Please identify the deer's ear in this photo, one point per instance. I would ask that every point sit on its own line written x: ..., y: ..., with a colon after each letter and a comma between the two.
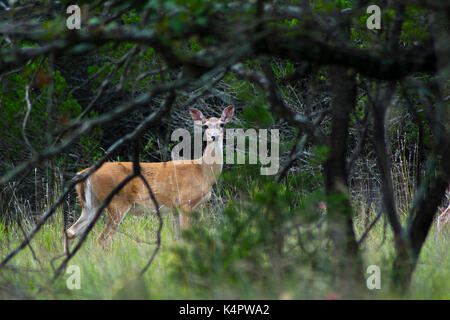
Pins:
x: 227, y: 114
x: 197, y: 115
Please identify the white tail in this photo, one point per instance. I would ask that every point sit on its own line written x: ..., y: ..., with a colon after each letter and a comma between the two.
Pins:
x: 185, y: 184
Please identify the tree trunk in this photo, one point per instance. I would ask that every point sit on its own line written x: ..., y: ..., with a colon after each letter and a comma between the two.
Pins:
x: 339, y: 210
x: 436, y: 183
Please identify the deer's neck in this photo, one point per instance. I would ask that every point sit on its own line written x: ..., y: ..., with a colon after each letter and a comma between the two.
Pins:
x: 212, y: 161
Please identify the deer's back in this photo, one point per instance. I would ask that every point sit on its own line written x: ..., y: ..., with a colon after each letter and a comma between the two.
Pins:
x: 173, y: 183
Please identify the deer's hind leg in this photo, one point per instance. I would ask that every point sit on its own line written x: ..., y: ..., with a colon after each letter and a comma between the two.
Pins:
x: 117, y: 211
x: 89, y: 205
x: 187, y: 208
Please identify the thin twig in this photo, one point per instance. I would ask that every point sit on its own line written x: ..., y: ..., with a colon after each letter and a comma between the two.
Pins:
x: 29, y: 106
x: 29, y: 244
x: 136, y: 239
x: 158, y: 234
x: 366, y: 232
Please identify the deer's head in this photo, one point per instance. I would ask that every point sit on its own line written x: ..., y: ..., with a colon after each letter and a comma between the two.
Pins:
x: 213, y: 126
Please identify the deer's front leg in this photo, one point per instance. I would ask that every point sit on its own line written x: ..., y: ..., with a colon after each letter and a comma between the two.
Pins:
x: 116, y: 213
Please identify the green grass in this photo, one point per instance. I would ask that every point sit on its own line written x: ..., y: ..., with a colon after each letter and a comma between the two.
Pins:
x: 207, y: 264
x: 103, y: 273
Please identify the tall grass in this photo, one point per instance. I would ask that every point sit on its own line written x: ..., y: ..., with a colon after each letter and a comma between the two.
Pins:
x: 230, y: 253
x: 113, y: 273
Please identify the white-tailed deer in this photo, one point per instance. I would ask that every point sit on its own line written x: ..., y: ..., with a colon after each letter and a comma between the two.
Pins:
x: 185, y: 184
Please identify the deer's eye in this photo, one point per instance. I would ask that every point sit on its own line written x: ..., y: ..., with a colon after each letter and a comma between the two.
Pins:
x: 205, y: 126
x: 222, y: 124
